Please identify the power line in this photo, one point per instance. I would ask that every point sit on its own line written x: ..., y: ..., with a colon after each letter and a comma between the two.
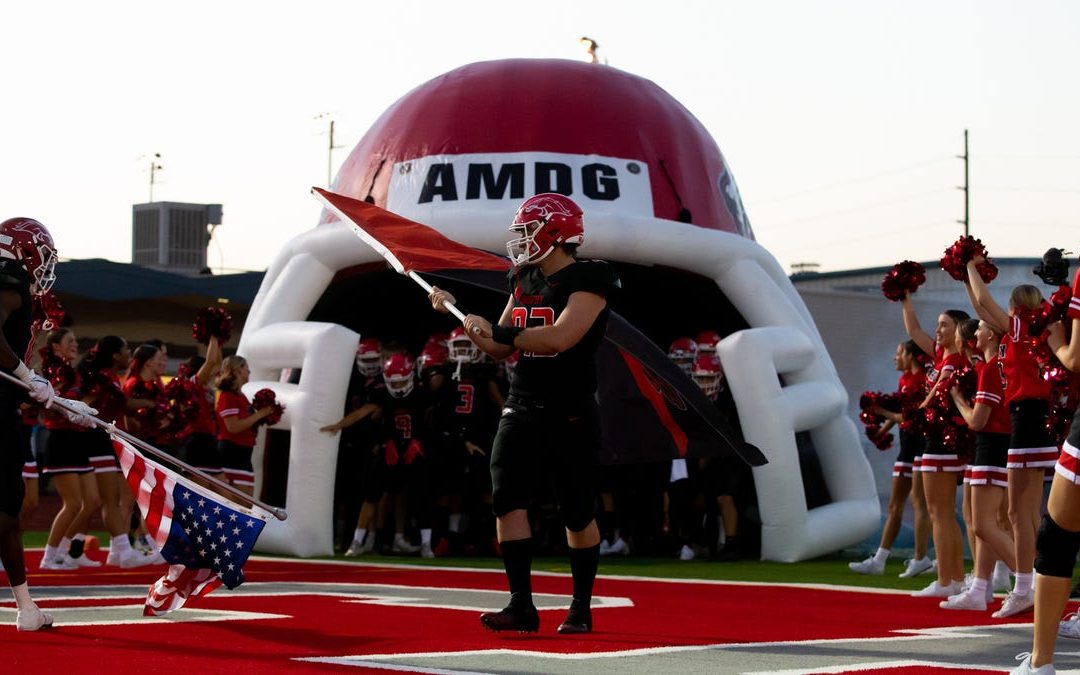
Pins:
x: 865, y: 207
x: 1026, y: 189
x: 851, y: 181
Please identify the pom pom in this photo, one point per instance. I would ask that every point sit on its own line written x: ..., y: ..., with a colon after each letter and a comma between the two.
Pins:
x: 966, y: 380
x: 881, y: 441
x: 903, y: 279
x: 58, y: 372
x: 963, y: 250
x: 264, y: 398
x: 211, y: 322
x: 48, y: 312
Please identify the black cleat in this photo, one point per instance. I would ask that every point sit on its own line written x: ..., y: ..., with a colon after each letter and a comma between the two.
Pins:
x: 578, y: 620
x: 522, y: 619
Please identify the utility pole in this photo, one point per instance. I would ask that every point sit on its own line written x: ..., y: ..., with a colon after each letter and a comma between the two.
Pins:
x: 154, y: 168
x: 330, y: 147
x: 330, y: 156
x: 966, y: 188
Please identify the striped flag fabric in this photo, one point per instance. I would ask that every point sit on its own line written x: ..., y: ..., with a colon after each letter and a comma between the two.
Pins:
x: 205, y: 538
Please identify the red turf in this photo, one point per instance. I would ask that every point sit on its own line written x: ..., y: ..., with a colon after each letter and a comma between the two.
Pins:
x: 664, y: 614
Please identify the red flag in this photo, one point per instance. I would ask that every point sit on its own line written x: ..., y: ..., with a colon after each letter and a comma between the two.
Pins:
x: 407, y: 245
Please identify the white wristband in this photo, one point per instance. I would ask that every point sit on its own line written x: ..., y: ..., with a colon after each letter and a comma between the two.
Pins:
x: 23, y: 373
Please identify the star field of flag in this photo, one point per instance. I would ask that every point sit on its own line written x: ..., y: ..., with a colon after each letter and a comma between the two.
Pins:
x: 206, y: 533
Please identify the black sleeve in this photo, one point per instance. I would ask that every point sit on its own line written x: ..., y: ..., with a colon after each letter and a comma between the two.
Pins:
x: 13, y: 277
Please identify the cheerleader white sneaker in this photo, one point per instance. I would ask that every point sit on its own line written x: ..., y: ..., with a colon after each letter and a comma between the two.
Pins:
x: 1070, y: 627
x: 936, y: 590
x: 967, y: 600
x: 1025, y: 667
x: 868, y: 566
x: 33, y: 619
x: 916, y: 566
x: 1014, y: 604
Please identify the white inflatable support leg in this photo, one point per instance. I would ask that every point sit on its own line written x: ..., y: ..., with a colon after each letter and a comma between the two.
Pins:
x: 754, y: 361
x: 324, y: 352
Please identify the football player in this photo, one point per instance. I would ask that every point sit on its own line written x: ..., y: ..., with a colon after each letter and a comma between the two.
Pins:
x: 556, y: 316
x: 27, y: 262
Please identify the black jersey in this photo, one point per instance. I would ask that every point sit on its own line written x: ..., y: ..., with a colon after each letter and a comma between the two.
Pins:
x: 17, y: 327
x: 463, y: 407
x: 568, y: 377
x: 402, y: 418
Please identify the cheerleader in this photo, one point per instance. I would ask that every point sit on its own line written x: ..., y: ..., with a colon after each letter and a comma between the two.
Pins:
x: 199, y: 446
x: 940, y: 467
x: 236, y: 434
x: 912, y: 386
x: 67, y: 463
x: 1059, y: 533
x: 986, y: 415
x: 1031, y: 448
x: 100, y: 373
x: 145, y: 392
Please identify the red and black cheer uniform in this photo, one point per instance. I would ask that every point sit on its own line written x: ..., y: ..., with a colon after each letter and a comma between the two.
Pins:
x: 992, y: 441
x: 1027, y: 395
x: 937, y: 457
x: 549, y: 429
x: 18, y: 333
x: 911, y: 386
x: 235, y: 449
x: 146, y: 423
x: 200, y: 437
x: 107, y: 395
x: 66, y: 449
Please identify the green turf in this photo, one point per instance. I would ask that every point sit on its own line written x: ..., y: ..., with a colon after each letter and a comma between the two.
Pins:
x: 828, y: 570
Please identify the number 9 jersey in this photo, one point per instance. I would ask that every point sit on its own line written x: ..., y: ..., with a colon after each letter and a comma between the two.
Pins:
x: 568, y: 377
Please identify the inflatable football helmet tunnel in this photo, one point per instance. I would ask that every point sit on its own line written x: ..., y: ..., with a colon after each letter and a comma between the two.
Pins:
x: 460, y: 153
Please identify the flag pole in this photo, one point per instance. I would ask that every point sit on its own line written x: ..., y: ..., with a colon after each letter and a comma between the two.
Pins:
x: 385, y: 252
x: 241, y: 496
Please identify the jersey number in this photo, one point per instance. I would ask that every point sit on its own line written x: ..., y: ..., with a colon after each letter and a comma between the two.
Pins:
x: 540, y: 316
x: 404, y: 425
x: 466, y: 391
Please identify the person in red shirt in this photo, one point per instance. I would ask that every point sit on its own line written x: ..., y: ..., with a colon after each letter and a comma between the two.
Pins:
x: 199, y: 445
x: 100, y: 372
x: 940, y: 467
x: 1032, y: 450
x: 988, y: 416
x: 1059, y: 532
x: 236, y: 433
x: 67, y: 464
x: 912, y: 386
x: 146, y: 393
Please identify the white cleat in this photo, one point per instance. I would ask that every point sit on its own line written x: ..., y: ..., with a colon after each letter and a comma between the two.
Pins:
x: 914, y: 567
x: 1070, y: 626
x: 355, y: 549
x: 686, y: 553
x: 619, y: 547
x: 1001, y: 583
x: 966, y: 600
x: 82, y: 561
x: 605, y: 548
x: 128, y: 559
x: 1025, y: 667
x: 402, y: 545
x: 61, y: 563
x: 1015, y: 604
x: 936, y: 590
x: 868, y: 566
x: 34, y: 619
x: 426, y: 552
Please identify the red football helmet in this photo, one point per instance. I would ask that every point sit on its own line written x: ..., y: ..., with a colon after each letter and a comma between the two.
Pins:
x: 683, y: 351
x: 398, y: 374
x: 542, y: 223
x: 707, y: 374
x: 707, y: 340
x: 462, y: 349
x: 369, y: 357
x: 27, y: 240
x: 433, y: 354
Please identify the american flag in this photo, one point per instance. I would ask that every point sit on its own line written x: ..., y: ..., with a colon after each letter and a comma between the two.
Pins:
x: 205, y: 540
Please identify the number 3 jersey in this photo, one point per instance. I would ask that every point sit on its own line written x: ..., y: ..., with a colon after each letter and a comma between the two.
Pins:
x: 568, y: 377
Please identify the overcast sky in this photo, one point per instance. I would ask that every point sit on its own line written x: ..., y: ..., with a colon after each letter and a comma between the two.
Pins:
x: 841, y: 120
